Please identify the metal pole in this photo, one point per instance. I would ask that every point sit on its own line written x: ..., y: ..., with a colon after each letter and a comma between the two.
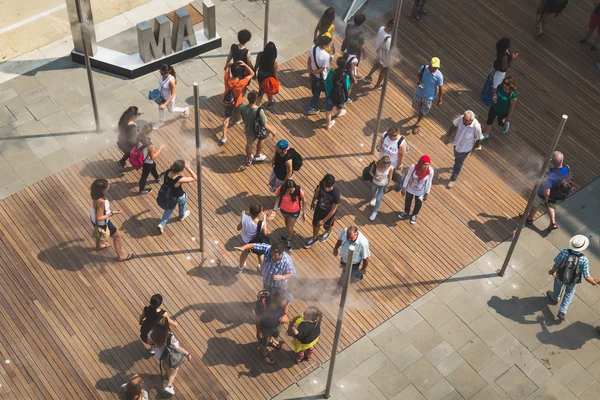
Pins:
x: 338, y: 326
x: 266, y: 29
x: 386, y: 76
x: 561, y: 126
x: 198, y: 163
x: 88, y: 66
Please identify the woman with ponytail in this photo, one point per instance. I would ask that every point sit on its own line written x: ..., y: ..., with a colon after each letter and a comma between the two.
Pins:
x: 167, y: 82
x: 305, y: 329
x: 417, y: 185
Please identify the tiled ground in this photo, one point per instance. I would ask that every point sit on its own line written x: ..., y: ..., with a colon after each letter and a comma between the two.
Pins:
x: 479, y: 336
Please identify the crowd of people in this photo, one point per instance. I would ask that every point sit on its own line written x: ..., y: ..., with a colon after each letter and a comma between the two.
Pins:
x: 388, y: 172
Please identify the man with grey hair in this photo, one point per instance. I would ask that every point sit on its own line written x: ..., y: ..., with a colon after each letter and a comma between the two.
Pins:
x: 556, y: 185
x: 352, y: 237
x: 466, y: 136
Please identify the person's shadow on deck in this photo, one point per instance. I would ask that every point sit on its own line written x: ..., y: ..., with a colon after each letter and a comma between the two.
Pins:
x: 123, y: 359
x: 246, y: 199
x: 224, y: 351
x: 72, y: 256
x: 232, y: 314
x: 369, y: 128
x: 223, y: 164
x: 139, y: 226
x: 481, y: 229
x: 217, y: 274
x: 107, y: 169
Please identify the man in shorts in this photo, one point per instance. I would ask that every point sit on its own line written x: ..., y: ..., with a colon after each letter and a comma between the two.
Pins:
x: 235, y: 80
x: 430, y: 81
x: 418, y: 11
x: 383, y: 56
x: 282, y: 165
x: 325, y: 203
x: 249, y: 112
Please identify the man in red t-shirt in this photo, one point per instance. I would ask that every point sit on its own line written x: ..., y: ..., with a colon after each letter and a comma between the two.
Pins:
x: 237, y: 76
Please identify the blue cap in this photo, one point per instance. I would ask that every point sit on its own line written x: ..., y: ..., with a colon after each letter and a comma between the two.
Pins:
x: 283, y: 144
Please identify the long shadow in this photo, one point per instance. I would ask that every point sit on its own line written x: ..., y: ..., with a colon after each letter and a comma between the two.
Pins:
x: 123, y: 360
x: 572, y: 337
x: 238, y: 354
x: 139, y: 228
x: 232, y: 314
x: 248, y: 199
x: 218, y: 274
x: 224, y: 164
x: 120, y: 190
x: 107, y: 169
x: 25, y: 137
x: 486, y: 230
x: 425, y: 283
x: 370, y: 126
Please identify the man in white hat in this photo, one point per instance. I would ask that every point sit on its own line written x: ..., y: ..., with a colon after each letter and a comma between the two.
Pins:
x: 570, y: 266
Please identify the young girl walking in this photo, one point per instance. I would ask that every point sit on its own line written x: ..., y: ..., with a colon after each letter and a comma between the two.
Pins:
x: 128, y: 133
x: 167, y: 83
x: 381, y: 172
x: 305, y: 329
x: 145, y: 144
x: 290, y: 201
x: 175, y: 180
x: 266, y: 70
x: 150, y: 315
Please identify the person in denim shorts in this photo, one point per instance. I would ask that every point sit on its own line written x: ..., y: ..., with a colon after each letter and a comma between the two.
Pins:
x: 418, y: 11
x: 291, y: 202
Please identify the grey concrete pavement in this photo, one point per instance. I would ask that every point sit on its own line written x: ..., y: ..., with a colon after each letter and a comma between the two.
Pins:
x: 482, y: 337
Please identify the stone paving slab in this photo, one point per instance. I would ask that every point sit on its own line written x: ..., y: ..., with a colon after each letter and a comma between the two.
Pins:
x: 449, y: 345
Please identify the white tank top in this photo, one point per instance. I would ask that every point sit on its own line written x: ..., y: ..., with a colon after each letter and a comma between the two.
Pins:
x: 106, y: 211
x: 165, y: 86
x: 389, y: 148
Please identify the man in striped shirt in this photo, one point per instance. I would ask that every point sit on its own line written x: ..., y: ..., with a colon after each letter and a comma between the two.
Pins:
x: 277, y: 267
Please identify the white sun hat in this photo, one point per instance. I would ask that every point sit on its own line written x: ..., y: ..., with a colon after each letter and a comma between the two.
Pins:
x: 579, y: 242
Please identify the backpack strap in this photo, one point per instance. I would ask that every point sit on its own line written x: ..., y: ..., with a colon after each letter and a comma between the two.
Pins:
x: 400, y: 141
x: 315, y: 56
x: 421, y: 74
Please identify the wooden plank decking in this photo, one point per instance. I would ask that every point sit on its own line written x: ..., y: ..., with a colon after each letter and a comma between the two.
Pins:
x: 68, y: 316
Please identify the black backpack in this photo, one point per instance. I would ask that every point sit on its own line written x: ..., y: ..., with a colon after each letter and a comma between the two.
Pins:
x: 296, y: 160
x: 569, y: 271
x: 339, y: 93
x: 263, y: 299
x: 366, y: 174
x: 260, y: 237
x: 563, y: 187
x: 165, y: 199
x: 260, y: 132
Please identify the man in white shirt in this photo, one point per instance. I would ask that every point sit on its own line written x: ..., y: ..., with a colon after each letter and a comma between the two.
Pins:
x: 318, y: 67
x: 383, y: 56
x: 352, y: 237
x: 466, y: 134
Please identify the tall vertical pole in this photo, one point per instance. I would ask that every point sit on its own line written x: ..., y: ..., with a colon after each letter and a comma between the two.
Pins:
x: 88, y: 66
x: 198, y: 163
x: 338, y: 326
x: 266, y: 29
x: 387, y: 75
x: 538, y: 182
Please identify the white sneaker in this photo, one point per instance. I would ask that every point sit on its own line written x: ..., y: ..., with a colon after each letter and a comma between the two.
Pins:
x: 331, y: 124
x: 373, y: 202
x: 478, y: 147
x: 223, y: 139
x: 239, y: 121
x: 342, y: 113
x: 373, y: 216
x: 161, y: 228
x: 260, y: 157
x: 450, y: 185
x: 185, y: 215
x: 170, y: 390
x: 158, y: 126
x: 186, y: 113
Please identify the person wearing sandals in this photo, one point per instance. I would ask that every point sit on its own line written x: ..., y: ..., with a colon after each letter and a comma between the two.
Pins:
x: 290, y: 200
x: 418, y: 11
x: 128, y: 133
x: 552, y: 179
x: 430, y: 81
x: 417, y: 185
x: 266, y: 67
x: 174, y: 178
x: 305, y: 329
x: 162, y: 336
x: 100, y: 216
x: 150, y: 314
x: 253, y: 229
x: 269, y: 324
x: 150, y: 153
x: 381, y: 172
x: 503, y: 106
x: 132, y: 390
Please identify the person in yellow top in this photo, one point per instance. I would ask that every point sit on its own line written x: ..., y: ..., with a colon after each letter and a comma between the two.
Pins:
x: 325, y: 27
x: 305, y: 329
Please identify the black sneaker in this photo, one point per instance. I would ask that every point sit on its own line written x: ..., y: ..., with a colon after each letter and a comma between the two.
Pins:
x: 284, y: 237
x: 593, y: 49
x: 583, y: 41
x: 413, y: 220
x: 288, y: 244
x: 145, y: 191
x: 424, y: 12
x: 415, y: 19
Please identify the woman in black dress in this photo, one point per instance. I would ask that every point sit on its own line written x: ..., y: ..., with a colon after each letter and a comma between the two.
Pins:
x: 128, y: 132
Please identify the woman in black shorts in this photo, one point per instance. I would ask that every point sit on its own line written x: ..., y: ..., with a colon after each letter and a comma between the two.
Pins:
x: 100, y: 216
x: 325, y: 204
x: 266, y: 67
x: 150, y: 315
x: 291, y: 201
x: 503, y: 106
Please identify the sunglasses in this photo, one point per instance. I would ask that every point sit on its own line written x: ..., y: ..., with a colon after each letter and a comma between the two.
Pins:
x: 387, y: 162
x: 505, y: 83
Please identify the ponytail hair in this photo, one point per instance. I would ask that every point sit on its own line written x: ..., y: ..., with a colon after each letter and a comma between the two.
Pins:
x: 166, y: 68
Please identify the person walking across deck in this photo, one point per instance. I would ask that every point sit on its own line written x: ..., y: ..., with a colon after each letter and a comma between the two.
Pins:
x: 305, y: 329
x: 317, y: 64
x: 324, y: 205
x: 174, y: 179
x: 430, y: 81
x: 239, y: 51
x: 381, y: 172
x: 150, y: 314
x: 351, y: 56
x: 282, y: 165
x: 167, y: 82
x: 570, y: 265
x: 545, y: 9
x: 417, y: 185
x: 291, y: 202
x: 256, y: 127
x: 128, y: 133
x: 418, y: 11
x: 266, y: 72
x: 383, y: 56
x: 337, y: 86
x: 395, y: 146
x: 503, y: 106
x: 133, y: 389
x: 354, y: 33
x: 466, y: 136
x: 149, y: 155
x: 326, y: 28
x: 100, y: 217
x: 270, y: 318
x: 253, y: 229
x: 352, y: 237
x: 237, y: 77
x: 277, y: 266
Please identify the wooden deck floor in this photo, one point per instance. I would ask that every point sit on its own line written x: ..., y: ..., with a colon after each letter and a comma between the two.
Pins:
x: 68, y: 316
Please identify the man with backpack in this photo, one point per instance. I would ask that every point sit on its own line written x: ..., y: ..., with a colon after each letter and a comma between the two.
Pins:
x: 384, y: 54
x: 256, y: 127
x: 430, y: 81
x: 545, y: 9
x: 555, y: 187
x: 337, y: 86
x: 570, y: 265
x: 237, y: 76
x: 318, y: 66
x: 286, y: 161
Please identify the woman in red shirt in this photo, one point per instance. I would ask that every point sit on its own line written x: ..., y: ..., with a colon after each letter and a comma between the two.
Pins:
x: 290, y: 200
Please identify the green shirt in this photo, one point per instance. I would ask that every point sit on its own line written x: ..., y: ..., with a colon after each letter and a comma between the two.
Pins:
x: 248, y: 113
x: 502, y: 105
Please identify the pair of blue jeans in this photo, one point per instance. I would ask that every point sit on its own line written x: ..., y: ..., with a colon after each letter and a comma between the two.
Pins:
x: 377, y: 195
x: 459, y: 160
x: 315, y: 87
x: 181, y: 203
x: 355, y: 270
x: 567, y: 298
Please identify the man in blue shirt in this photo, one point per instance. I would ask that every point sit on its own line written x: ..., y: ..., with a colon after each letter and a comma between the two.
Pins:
x: 430, y: 81
x: 352, y: 237
x: 577, y: 244
x: 551, y: 178
x: 277, y: 267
